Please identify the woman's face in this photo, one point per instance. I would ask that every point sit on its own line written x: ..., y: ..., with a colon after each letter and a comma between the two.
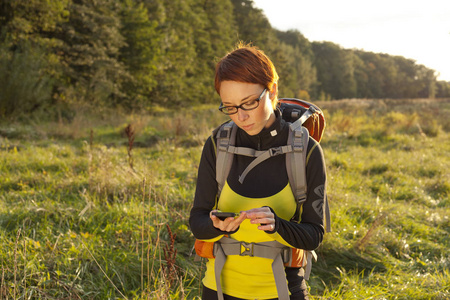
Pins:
x: 235, y: 93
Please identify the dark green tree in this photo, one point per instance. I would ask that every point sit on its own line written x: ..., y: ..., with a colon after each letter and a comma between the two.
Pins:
x: 406, y: 77
x: 177, y: 49
x: 426, y: 81
x: 141, y: 53
x: 298, y: 73
x: 393, y: 77
x: 443, y: 89
x: 24, y: 85
x: 374, y: 75
x: 361, y: 77
x: 32, y: 21
x: 90, y: 49
x: 335, y: 71
x: 253, y: 25
x: 389, y: 72
x: 215, y: 35
x: 29, y: 68
x: 297, y: 40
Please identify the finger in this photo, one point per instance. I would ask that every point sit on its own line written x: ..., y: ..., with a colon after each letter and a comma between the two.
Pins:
x: 242, y: 217
x: 267, y: 227
x: 262, y: 218
x: 216, y: 221
x: 258, y: 210
x: 264, y: 222
x: 259, y: 213
x: 231, y: 224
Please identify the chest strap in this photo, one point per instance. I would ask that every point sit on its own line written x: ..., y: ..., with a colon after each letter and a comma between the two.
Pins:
x: 272, y: 250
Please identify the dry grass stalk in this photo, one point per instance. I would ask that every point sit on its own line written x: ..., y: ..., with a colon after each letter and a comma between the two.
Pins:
x: 3, y: 289
x: 25, y: 265
x: 150, y: 241
x: 90, y: 158
x: 131, y: 134
x: 362, y: 243
x: 91, y: 139
x: 170, y: 254
x: 15, y: 261
x: 142, y: 234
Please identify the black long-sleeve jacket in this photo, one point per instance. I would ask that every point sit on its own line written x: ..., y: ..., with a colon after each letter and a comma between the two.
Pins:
x: 266, y: 179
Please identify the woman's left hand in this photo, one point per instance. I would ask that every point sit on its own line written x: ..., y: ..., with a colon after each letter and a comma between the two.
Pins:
x: 263, y: 216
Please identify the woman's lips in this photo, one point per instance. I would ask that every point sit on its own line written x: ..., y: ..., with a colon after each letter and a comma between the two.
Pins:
x: 247, y: 127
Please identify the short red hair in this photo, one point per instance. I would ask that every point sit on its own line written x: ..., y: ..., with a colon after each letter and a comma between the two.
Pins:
x: 246, y: 64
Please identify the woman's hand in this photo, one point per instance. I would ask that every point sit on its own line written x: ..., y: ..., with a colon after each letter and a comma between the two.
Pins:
x: 229, y: 224
x: 263, y: 216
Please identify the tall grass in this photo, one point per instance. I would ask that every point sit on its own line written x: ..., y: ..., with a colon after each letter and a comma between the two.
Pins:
x: 88, y: 211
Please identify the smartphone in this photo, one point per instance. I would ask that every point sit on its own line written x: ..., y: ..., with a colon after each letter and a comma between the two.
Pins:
x: 223, y: 215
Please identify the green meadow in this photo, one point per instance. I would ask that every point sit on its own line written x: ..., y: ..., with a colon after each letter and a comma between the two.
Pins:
x: 96, y: 206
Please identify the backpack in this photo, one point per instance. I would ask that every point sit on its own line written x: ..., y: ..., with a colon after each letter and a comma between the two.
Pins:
x: 306, y: 120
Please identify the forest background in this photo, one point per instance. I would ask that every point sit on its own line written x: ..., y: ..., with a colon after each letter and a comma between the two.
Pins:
x: 139, y: 54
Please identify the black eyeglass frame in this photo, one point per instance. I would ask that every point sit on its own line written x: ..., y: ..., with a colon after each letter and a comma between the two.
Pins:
x: 222, y: 107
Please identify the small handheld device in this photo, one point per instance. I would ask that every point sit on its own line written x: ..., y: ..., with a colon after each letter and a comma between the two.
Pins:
x: 223, y: 215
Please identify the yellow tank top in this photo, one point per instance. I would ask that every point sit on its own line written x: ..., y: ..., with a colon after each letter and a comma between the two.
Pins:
x: 243, y: 276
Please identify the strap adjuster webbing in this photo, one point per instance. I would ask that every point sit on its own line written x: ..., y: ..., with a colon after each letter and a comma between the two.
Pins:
x: 263, y: 156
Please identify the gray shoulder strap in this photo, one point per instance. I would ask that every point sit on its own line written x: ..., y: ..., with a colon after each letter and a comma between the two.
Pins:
x: 226, y: 137
x: 296, y: 160
x: 296, y: 167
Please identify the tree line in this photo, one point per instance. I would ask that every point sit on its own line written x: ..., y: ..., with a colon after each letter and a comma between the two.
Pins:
x: 140, y: 53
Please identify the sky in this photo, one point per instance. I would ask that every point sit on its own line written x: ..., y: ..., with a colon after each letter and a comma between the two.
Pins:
x: 414, y: 29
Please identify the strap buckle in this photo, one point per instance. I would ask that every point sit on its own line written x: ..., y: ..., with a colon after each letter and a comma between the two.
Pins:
x: 301, y: 198
x: 275, y: 151
x: 225, y: 132
x: 247, y: 249
x: 298, y: 141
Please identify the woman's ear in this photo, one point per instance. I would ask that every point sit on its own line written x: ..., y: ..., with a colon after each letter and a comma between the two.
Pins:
x: 273, y: 95
x: 274, y: 91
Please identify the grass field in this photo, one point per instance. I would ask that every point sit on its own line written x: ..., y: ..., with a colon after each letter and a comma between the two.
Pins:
x: 90, y: 210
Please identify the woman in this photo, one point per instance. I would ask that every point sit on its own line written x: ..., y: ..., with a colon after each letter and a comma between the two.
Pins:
x: 247, y: 83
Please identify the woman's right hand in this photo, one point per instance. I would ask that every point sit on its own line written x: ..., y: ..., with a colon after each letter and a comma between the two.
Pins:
x: 229, y: 224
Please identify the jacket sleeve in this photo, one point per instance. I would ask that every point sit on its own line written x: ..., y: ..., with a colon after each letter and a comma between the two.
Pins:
x: 205, y: 196
x: 308, y: 233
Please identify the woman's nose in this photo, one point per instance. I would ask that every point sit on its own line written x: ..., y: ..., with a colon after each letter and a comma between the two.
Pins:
x: 242, y: 115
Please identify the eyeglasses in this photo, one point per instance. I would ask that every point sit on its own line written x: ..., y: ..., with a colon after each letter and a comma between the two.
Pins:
x: 249, y: 105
